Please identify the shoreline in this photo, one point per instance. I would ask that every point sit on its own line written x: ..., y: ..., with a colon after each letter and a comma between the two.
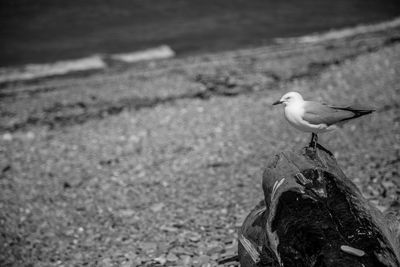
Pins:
x: 95, y: 63
x: 72, y: 99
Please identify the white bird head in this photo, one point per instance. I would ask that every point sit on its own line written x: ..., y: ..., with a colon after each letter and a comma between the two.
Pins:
x: 290, y: 97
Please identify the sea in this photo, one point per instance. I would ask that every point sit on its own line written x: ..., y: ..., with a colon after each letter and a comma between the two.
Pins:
x: 42, y: 31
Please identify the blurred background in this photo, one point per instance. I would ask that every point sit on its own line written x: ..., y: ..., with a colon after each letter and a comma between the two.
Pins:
x: 50, y: 30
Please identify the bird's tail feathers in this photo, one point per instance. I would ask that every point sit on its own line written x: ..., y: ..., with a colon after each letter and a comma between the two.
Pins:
x: 358, y: 112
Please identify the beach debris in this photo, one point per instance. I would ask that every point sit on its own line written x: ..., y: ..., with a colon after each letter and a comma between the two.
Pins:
x: 352, y: 251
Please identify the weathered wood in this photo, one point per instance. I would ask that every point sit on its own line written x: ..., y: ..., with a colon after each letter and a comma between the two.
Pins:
x: 313, y: 215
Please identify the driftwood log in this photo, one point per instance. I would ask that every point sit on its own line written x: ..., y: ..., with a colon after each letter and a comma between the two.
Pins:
x: 313, y: 215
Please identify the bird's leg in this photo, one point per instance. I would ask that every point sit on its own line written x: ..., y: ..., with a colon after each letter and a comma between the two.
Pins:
x: 314, y: 141
x: 324, y: 149
x: 314, y: 144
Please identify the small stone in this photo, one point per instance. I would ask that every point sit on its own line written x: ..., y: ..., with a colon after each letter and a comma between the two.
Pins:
x: 167, y: 228
x: 157, y: 207
x: 202, y: 260
x: 69, y: 232
x: 134, y: 138
x: 195, y: 237
x: 215, y: 256
x: 162, y: 248
x: 215, y: 249
x: 161, y: 260
x: 128, y: 264
x: 7, y: 137
x: 149, y: 247
x: 30, y: 135
x: 186, y: 260
x: 106, y: 262
x: 127, y: 213
x: 181, y: 251
x: 172, y: 257
x: 388, y: 184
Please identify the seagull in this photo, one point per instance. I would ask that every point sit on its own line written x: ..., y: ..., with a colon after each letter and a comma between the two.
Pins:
x: 314, y: 117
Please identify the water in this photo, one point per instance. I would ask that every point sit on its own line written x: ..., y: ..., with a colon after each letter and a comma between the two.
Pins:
x: 39, y: 31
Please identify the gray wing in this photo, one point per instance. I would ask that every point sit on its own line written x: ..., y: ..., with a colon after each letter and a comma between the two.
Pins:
x: 317, y: 113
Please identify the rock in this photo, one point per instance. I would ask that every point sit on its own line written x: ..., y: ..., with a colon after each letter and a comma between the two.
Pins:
x: 172, y: 257
x: 161, y: 260
x: 149, y: 247
x: 106, y: 262
x: 167, y: 228
x: 186, y: 260
x: 214, y: 249
x: 30, y: 135
x: 180, y: 251
x: 202, y: 260
x: 194, y: 237
x: 157, y: 207
x: 7, y: 137
x: 310, y: 214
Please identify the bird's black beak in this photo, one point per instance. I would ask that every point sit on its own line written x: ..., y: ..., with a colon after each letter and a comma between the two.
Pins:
x: 277, y: 102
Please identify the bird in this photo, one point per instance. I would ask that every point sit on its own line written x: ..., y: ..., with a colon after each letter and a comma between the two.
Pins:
x: 315, y: 117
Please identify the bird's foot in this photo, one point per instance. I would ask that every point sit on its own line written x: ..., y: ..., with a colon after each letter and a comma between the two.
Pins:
x: 313, y: 145
x: 324, y: 149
